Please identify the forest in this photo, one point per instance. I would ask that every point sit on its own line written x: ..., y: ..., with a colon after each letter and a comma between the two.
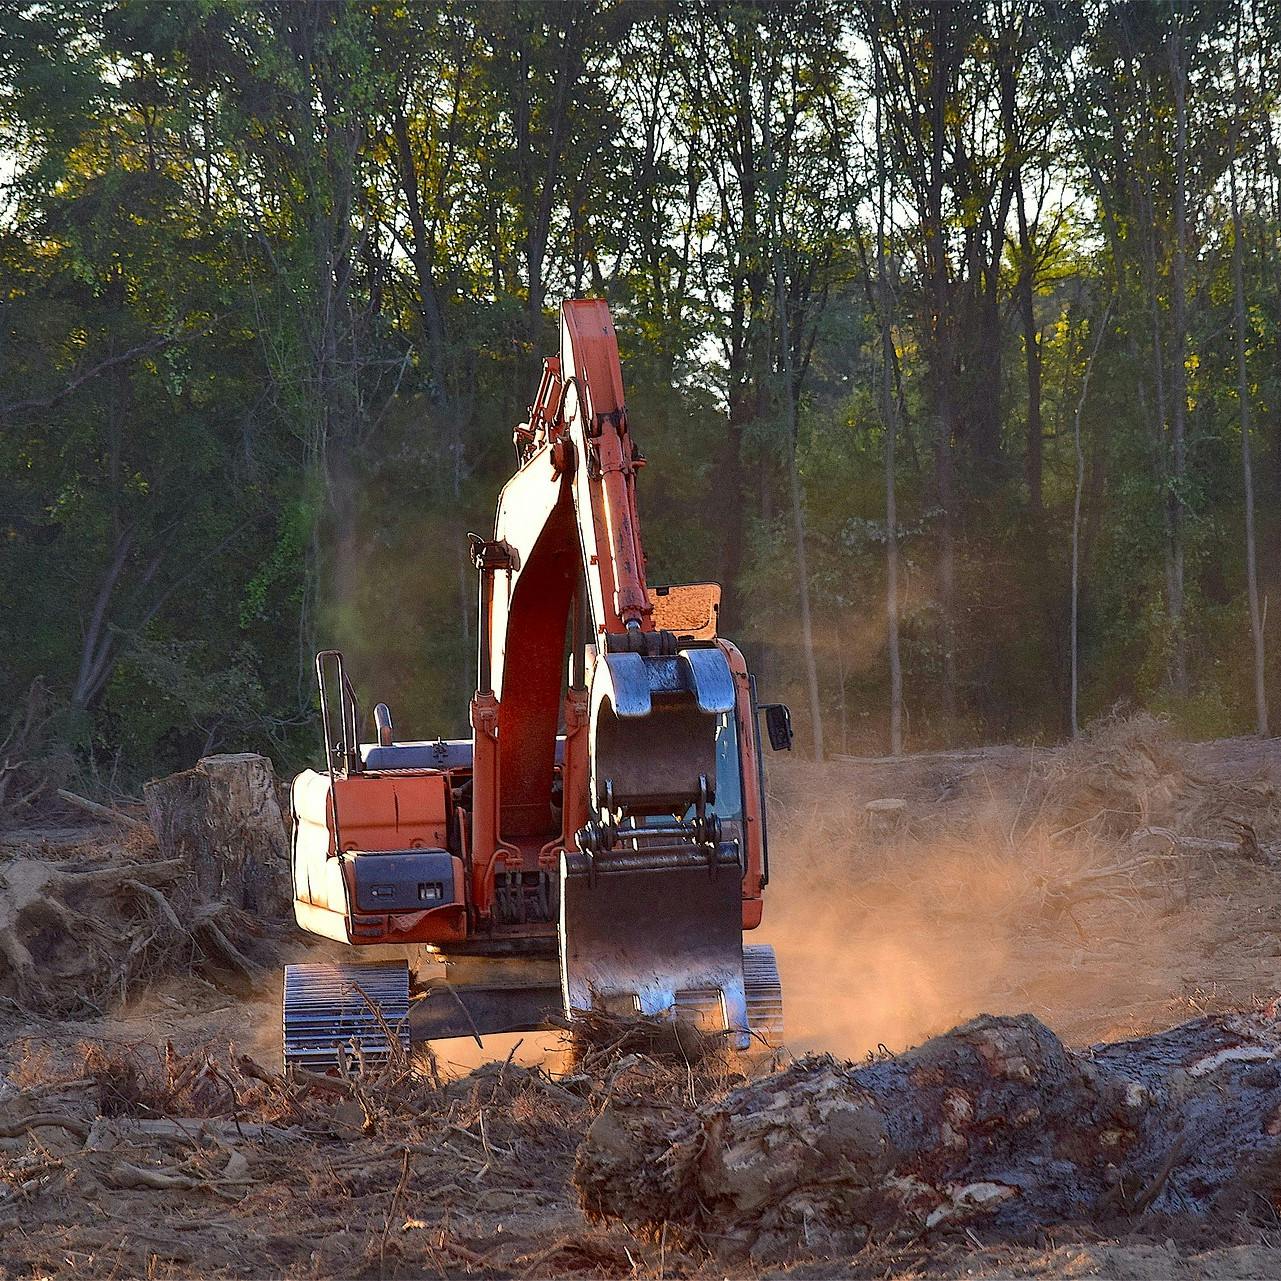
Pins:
x: 951, y: 334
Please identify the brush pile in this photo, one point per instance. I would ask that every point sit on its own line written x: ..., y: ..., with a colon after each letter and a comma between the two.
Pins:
x: 994, y: 1129
x: 211, y: 1163
x: 1128, y: 773
x: 597, y: 1038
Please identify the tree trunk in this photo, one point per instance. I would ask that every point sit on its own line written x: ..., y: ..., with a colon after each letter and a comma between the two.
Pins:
x: 891, y: 551
x: 1032, y: 358
x: 1157, y: 437
x: 1073, y: 715
x: 942, y: 356
x: 889, y: 420
x: 1243, y: 407
x: 1179, y: 374
x: 798, y: 515
x: 729, y: 481
x: 223, y: 819
x: 945, y: 478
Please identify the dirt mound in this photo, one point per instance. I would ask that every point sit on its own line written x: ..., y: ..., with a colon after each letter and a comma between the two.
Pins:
x: 994, y: 1129
x: 1129, y: 772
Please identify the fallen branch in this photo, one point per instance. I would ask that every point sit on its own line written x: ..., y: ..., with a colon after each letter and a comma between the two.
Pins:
x: 317, y: 1081
x: 41, y: 1120
x: 126, y: 1176
x: 188, y: 1130
x: 1246, y: 845
x: 102, y: 811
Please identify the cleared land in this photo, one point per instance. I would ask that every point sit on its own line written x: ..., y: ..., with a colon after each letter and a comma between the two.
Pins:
x: 1111, y: 889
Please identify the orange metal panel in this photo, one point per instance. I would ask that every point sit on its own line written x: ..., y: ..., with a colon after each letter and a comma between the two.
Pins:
x: 393, y: 811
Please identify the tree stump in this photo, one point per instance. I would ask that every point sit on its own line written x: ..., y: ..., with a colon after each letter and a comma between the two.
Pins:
x: 994, y: 1130
x: 885, y: 817
x: 223, y: 819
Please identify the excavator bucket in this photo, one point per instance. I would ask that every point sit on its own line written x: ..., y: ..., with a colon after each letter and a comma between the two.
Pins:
x: 653, y: 932
x: 651, y: 903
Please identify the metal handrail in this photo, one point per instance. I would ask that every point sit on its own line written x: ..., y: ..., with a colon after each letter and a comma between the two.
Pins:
x: 342, y: 751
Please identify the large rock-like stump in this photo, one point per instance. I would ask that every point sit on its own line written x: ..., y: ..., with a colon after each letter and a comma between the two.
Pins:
x: 223, y: 819
x: 995, y: 1129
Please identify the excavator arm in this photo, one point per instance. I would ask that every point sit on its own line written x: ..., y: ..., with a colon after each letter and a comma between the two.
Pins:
x: 650, y: 890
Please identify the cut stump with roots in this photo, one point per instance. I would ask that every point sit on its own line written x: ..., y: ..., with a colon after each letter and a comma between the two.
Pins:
x: 995, y: 1129
x: 223, y: 819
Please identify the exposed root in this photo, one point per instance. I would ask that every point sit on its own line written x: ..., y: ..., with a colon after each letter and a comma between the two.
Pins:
x: 74, y: 938
x: 993, y: 1129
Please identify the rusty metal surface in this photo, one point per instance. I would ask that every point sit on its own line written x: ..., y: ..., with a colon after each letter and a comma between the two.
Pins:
x: 653, y: 728
x: 653, y: 765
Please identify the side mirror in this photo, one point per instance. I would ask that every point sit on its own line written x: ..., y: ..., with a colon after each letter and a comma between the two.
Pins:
x: 778, y: 725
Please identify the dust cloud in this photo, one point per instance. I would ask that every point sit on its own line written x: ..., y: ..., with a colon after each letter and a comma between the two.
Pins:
x: 1020, y: 881
x: 888, y: 950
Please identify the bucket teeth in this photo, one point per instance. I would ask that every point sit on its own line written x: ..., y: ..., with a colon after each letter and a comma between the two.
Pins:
x: 327, y: 1006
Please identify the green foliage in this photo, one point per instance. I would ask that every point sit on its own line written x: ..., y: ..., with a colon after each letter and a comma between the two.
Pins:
x: 276, y: 280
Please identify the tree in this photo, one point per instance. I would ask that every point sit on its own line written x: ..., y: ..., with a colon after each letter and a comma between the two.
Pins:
x: 1243, y: 392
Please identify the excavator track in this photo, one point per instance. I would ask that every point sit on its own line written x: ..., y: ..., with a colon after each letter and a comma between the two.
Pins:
x: 329, y: 1006
x: 764, y: 991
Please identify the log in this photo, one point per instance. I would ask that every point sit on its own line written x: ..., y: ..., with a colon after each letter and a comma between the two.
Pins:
x: 994, y: 1130
x: 109, y: 1132
x: 223, y: 819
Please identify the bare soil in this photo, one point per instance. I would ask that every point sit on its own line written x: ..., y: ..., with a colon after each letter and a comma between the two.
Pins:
x: 1111, y: 889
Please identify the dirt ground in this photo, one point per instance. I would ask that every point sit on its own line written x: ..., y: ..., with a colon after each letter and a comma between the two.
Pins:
x: 1110, y: 888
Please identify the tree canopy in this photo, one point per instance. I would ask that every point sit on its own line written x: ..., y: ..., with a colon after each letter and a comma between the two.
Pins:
x: 951, y: 332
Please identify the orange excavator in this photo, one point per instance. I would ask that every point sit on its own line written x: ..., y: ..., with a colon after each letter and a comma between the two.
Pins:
x: 599, y: 841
